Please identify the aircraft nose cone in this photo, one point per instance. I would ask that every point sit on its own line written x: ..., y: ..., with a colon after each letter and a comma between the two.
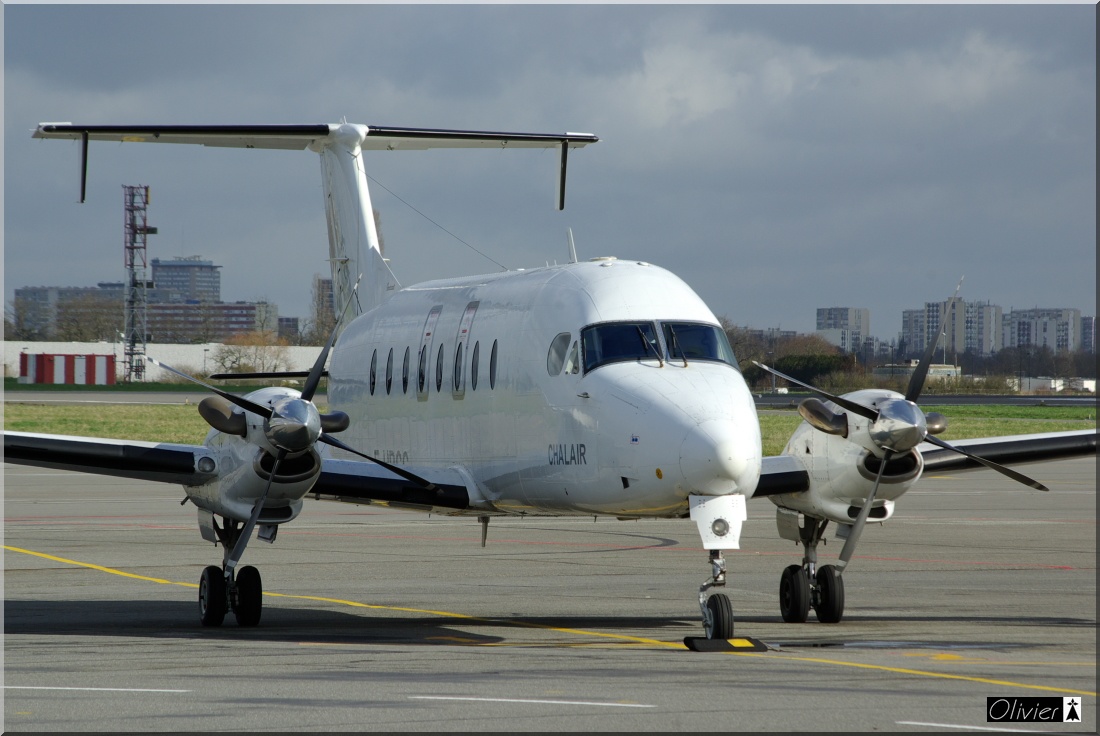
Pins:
x: 717, y: 458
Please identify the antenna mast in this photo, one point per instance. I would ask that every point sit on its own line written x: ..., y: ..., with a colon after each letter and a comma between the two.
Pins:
x: 136, y: 229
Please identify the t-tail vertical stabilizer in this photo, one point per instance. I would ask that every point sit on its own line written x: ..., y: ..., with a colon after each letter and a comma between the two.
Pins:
x: 353, y: 246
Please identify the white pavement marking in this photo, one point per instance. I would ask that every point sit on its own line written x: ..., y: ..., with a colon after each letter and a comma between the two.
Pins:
x: 524, y: 700
x: 967, y: 728
x: 94, y: 689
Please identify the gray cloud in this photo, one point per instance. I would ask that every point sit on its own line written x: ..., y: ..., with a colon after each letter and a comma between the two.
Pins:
x: 777, y: 158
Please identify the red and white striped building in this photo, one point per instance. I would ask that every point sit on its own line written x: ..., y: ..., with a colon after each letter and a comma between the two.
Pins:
x: 76, y: 369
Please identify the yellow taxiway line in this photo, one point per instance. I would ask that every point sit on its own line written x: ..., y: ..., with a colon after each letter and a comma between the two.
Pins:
x: 576, y: 632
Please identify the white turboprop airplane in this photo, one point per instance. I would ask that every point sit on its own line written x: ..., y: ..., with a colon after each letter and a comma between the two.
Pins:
x: 604, y: 387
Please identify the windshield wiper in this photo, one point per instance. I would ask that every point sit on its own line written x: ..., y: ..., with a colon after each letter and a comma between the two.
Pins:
x: 641, y: 334
x: 676, y: 344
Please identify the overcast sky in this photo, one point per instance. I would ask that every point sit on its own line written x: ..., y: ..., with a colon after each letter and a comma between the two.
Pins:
x: 777, y: 158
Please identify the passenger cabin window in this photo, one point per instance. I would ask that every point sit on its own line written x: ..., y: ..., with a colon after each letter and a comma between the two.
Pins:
x: 373, y: 366
x: 458, y: 371
x: 439, y: 371
x: 426, y: 343
x: 555, y: 357
x: 616, y: 342
x: 389, y: 372
x: 422, y: 371
x: 473, y: 365
x: 405, y: 373
x: 695, y: 341
x: 458, y: 377
x: 493, y: 366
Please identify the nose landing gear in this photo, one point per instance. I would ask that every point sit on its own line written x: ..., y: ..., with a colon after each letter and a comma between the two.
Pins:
x: 717, y: 610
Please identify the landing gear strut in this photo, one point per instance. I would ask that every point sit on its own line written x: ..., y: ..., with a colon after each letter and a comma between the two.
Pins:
x: 220, y: 590
x: 801, y: 587
x: 717, y: 611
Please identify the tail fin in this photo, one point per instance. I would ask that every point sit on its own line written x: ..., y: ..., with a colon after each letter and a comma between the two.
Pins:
x: 353, y: 237
x: 353, y: 246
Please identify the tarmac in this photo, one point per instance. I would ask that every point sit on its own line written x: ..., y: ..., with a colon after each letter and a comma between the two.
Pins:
x: 383, y: 620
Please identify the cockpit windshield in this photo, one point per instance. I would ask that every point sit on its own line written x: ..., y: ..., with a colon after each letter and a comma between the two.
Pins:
x: 614, y: 342
x: 690, y: 341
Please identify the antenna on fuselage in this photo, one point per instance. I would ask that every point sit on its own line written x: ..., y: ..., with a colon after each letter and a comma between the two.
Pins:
x: 572, y: 247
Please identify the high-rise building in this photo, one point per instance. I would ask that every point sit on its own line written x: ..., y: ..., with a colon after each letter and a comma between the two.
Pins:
x: 41, y: 307
x: 1088, y: 334
x: 970, y: 326
x: 208, y: 322
x: 983, y: 328
x: 845, y: 327
x: 1056, y: 328
x: 192, y: 278
x: 912, y: 339
x: 953, y: 338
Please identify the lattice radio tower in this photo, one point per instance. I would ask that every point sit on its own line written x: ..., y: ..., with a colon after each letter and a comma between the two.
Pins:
x: 136, y: 230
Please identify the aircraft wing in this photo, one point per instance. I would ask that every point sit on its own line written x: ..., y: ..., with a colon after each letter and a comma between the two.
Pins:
x: 153, y: 461
x: 783, y: 474
x: 352, y: 481
x: 355, y: 481
x: 1020, y: 448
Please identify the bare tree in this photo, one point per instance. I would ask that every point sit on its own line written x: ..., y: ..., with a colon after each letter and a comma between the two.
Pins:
x: 322, y: 319
x: 18, y: 324
x: 252, y: 352
x: 88, y: 317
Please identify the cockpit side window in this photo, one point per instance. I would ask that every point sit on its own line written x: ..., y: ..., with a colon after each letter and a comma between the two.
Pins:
x: 572, y: 363
x: 555, y: 357
x: 615, y: 342
x: 697, y: 341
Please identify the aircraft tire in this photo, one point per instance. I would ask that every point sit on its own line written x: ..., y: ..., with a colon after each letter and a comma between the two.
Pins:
x: 829, y: 601
x: 212, y: 602
x: 721, y: 617
x: 794, y: 595
x: 250, y: 592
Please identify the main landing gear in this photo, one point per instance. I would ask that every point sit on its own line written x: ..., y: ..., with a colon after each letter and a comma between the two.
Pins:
x: 806, y: 586
x: 221, y: 591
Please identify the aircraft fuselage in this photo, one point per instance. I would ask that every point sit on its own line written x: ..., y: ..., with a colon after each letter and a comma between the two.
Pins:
x: 499, y: 376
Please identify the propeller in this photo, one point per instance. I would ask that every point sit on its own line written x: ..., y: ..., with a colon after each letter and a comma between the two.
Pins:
x: 246, y: 532
x: 897, y: 426
x: 861, y: 519
x: 291, y: 424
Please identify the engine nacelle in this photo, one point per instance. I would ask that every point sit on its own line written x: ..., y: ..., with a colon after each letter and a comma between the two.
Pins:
x: 245, y: 457
x: 243, y: 473
x: 842, y: 470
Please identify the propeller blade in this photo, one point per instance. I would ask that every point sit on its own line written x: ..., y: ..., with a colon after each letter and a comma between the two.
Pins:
x: 1018, y: 477
x: 314, y: 378
x: 916, y: 381
x: 822, y: 418
x: 861, y: 519
x: 427, y: 484
x: 863, y: 411
x: 246, y: 532
x: 263, y: 411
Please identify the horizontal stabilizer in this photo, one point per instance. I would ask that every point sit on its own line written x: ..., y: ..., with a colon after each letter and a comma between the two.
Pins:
x: 281, y: 376
x: 345, y: 136
x: 298, y: 137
